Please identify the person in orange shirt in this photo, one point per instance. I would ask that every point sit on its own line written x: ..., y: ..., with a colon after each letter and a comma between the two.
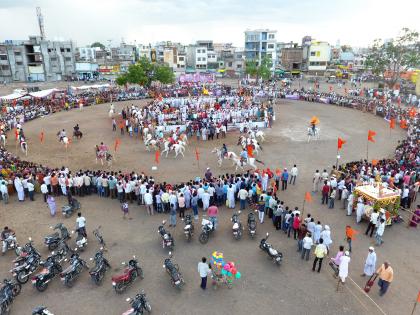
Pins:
x: 350, y: 235
x: 386, y: 275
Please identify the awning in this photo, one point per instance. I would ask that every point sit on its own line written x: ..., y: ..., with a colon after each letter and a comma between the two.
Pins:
x: 88, y: 87
x: 11, y: 97
x: 43, y: 93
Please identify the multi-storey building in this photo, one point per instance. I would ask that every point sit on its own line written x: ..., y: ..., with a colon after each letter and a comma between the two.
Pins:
x: 260, y: 44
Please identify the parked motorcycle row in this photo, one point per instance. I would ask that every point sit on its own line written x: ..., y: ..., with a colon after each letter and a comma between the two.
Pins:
x: 30, y: 266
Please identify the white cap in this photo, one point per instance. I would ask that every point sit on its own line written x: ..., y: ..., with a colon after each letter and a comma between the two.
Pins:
x: 372, y: 248
x: 347, y: 253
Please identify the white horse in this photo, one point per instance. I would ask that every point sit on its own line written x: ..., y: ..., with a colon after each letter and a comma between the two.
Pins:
x: 229, y: 156
x: 103, y: 155
x: 3, y: 140
x: 111, y: 111
x: 150, y: 142
x: 65, y: 140
x: 258, y: 135
x: 183, y: 137
x: 177, y: 148
x: 240, y: 164
x: 313, y: 133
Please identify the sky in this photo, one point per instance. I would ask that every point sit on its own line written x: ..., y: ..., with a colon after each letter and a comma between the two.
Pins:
x: 353, y: 22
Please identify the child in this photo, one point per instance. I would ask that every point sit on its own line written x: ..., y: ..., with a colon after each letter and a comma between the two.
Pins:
x: 350, y: 234
x: 124, y: 209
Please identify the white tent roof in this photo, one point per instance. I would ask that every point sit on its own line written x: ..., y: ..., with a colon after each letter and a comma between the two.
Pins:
x: 43, y: 93
x: 11, y: 97
x: 87, y: 87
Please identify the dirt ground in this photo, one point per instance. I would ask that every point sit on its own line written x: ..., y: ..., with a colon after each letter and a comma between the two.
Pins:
x: 263, y: 288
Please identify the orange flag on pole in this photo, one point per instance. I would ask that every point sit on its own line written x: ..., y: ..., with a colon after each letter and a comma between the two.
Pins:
x: 371, y: 134
x: 197, y: 154
x: 418, y: 297
x: 41, y: 136
x: 16, y: 133
x: 157, y: 155
x: 403, y: 124
x: 308, y: 197
x: 340, y: 143
x: 117, y: 144
x: 392, y: 123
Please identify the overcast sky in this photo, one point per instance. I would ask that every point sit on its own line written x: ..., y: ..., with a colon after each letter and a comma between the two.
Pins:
x: 354, y: 22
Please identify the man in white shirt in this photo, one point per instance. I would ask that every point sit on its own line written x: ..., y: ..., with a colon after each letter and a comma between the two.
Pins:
x: 293, y: 174
x: 203, y: 270
x: 31, y: 189
x: 380, y: 232
x: 307, y: 245
x: 372, y: 223
x: 44, y: 191
x: 315, y: 181
x: 81, y: 224
x: 4, y: 192
x: 148, y: 200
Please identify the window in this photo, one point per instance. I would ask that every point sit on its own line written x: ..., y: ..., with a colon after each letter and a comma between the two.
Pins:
x: 239, y: 56
x: 68, y: 49
x: 271, y: 36
x: 3, y: 57
x: 49, y: 50
x: 4, y: 67
x: 17, y: 53
x: 270, y: 46
x: 204, y: 59
x: 230, y: 64
x: 198, y: 51
x: 313, y: 53
x: 181, y: 58
x: 199, y: 59
x: 68, y: 58
x: 19, y: 63
x: 238, y: 66
x: 62, y: 49
x: 53, y: 59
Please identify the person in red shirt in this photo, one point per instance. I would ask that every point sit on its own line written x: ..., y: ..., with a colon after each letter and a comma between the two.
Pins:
x: 296, y: 225
x: 212, y: 213
x: 325, y: 193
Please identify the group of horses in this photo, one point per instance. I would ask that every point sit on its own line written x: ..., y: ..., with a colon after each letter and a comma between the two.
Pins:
x: 19, y: 139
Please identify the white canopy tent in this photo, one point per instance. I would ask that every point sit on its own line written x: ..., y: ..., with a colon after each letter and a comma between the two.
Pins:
x: 43, y: 93
x: 11, y: 97
x: 88, y: 87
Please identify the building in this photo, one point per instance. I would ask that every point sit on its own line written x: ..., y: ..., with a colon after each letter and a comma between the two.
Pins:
x: 292, y: 59
x: 87, y: 70
x: 316, y: 57
x: 86, y: 53
x: 260, y: 44
x: 36, y: 60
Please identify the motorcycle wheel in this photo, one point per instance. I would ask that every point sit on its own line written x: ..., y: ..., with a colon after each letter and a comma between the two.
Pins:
x: 68, y: 282
x: 22, y: 277
x: 119, y: 288
x: 5, y: 309
x: 52, y: 246
x: 176, y: 267
x: 18, y: 250
x: 41, y: 287
x: 16, y: 289
x: 203, y: 238
x: 98, y: 280
x: 148, y: 307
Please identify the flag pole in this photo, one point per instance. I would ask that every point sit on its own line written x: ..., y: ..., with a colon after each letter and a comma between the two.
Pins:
x: 367, y: 150
x: 336, y: 161
x: 303, y: 208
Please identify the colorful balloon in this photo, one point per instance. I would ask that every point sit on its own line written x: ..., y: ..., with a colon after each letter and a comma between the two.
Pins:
x: 238, y: 275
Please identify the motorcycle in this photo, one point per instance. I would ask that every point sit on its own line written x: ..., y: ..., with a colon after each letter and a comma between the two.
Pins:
x: 139, y: 304
x: 252, y: 225
x: 73, y: 206
x: 167, y: 239
x: 206, y: 229
x: 272, y: 253
x: 30, y: 265
x: 188, y: 228
x: 41, y: 310
x: 99, y: 237
x: 12, y: 244
x: 81, y: 240
x: 130, y: 273
x: 173, y: 270
x: 8, y: 292
x: 97, y: 273
x: 52, y: 268
x: 72, y: 272
x: 25, y: 253
x: 53, y: 240
x: 62, y: 250
x: 237, y: 226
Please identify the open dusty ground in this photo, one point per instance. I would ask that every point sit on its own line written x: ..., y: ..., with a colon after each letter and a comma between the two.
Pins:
x: 263, y: 288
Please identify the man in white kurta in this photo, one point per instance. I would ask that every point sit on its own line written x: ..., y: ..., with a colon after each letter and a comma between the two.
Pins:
x: 370, y: 264
x: 360, y: 210
x: 231, y: 196
x: 350, y: 204
x: 19, y: 189
x: 344, y: 266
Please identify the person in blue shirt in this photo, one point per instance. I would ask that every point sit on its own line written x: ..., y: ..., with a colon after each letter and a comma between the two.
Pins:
x: 243, y: 156
x: 284, y: 178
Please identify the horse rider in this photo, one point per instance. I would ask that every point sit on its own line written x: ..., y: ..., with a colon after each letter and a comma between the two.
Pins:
x: 76, y: 128
x: 313, y: 126
x: 62, y: 134
x: 243, y: 156
x: 224, y: 150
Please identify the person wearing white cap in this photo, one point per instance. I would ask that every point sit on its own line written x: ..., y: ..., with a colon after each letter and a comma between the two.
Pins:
x: 360, y: 210
x: 344, y: 267
x: 326, y: 236
x: 370, y: 264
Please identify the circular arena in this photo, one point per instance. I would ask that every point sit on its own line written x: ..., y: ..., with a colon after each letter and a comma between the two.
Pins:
x: 265, y: 288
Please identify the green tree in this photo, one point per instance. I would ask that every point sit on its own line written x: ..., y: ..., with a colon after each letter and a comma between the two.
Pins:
x: 259, y: 71
x: 394, y: 56
x: 98, y: 44
x: 144, y: 73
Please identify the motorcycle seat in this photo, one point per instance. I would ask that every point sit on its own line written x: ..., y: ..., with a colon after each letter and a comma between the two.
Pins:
x: 272, y: 251
x: 235, y: 226
x: 128, y: 312
x: 122, y: 277
x: 68, y: 269
x: 51, y: 236
x: 44, y: 271
x: 187, y: 227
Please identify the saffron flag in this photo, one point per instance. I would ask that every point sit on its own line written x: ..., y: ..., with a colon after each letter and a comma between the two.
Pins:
x: 197, y: 154
x: 308, y: 197
x: 16, y: 133
x: 41, y: 137
x: 250, y: 150
x: 340, y: 143
x: 314, y: 120
x: 403, y: 124
x: 117, y: 144
x: 371, y: 134
x: 392, y: 123
x: 412, y: 113
x: 418, y: 297
x: 157, y: 155
x: 374, y: 162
